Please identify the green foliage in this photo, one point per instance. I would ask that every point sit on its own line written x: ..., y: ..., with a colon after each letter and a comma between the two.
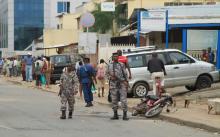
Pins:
x: 104, y: 20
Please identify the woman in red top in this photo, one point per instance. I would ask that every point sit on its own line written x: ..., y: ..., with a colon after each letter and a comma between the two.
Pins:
x: 205, y: 55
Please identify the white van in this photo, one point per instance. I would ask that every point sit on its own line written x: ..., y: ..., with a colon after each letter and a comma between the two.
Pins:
x: 181, y: 68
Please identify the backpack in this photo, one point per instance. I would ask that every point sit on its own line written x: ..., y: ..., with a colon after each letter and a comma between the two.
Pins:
x: 101, y: 73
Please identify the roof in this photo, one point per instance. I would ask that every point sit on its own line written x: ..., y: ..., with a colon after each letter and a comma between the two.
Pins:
x: 150, y: 51
x: 57, y: 46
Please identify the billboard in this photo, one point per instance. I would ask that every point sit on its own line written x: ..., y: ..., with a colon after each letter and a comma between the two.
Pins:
x: 153, y: 21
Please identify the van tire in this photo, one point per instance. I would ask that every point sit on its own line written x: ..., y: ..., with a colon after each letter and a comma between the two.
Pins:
x: 52, y: 81
x: 190, y: 88
x: 140, y: 89
x: 203, y: 82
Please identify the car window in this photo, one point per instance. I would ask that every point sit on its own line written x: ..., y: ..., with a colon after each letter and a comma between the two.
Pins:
x: 179, y: 58
x: 160, y: 56
x: 136, y: 61
x: 60, y: 59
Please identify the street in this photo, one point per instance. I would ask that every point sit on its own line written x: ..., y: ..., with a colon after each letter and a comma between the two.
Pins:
x: 26, y: 112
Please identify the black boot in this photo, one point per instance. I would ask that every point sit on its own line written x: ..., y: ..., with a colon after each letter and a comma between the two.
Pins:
x: 70, y: 114
x: 125, y: 117
x: 63, y: 116
x: 115, y: 117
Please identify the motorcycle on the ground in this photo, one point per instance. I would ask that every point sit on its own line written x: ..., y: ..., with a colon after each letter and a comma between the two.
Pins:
x: 152, y: 105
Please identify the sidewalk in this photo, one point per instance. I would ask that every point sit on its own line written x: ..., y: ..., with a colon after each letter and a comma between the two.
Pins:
x: 195, y: 116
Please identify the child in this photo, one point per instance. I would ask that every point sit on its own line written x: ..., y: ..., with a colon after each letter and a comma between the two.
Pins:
x: 68, y: 89
x: 37, y: 71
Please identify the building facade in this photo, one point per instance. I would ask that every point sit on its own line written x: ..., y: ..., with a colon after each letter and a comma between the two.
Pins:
x: 23, y: 21
x: 148, y: 4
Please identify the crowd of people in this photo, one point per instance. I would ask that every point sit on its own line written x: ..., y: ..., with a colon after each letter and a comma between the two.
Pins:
x: 29, y: 67
x: 10, y: 67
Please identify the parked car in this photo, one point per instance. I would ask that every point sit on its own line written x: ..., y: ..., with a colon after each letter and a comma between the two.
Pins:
x: 59, y: 62
x: 181, y: 68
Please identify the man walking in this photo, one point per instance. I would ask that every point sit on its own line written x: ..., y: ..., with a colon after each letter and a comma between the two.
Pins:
x: 28, y: 67
x: 68, y: 89
x: 118, y: 86
x: 157, y: 69
x: 86, y: 75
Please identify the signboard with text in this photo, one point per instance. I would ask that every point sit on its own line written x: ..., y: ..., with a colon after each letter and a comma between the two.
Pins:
x: 107, y: 6
x: 153, y: 21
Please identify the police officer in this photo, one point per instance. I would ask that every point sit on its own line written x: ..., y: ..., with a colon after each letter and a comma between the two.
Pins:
x: 86, y: 75
x: 118, y: 85
x: 68, y: 88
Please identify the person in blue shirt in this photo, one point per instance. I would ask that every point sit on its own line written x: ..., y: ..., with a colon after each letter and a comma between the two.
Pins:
x: 86, y: 75
x: 28, y: 68
x: 1, y: 65
x: 211, y: 55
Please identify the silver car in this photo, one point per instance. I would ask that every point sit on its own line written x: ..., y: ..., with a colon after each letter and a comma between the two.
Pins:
x: 182, y: 70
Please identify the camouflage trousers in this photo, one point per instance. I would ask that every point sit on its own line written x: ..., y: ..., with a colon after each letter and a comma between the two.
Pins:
x: 119, y: 92
x: 70, y: 100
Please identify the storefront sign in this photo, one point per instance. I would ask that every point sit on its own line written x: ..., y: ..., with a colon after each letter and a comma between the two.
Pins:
x: 153, y: 21
x: 107, y: 6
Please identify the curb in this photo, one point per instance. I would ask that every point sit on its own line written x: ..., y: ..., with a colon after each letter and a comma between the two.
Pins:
x: 177, y: 121
x: 190, y: 124
x: 14, y: 82
x: 20, y: 84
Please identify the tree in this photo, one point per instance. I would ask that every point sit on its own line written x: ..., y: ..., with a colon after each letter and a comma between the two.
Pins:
x: 104, y: 20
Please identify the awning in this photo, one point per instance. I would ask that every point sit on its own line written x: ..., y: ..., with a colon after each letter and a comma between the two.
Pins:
x: 57, y: 46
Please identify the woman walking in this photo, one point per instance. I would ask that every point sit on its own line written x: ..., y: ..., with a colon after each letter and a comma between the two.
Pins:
x: 100, y: 76
x: 48, y: 72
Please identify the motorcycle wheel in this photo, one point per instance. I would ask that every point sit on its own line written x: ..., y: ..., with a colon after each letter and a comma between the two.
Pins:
x: 134, y: 113
x: 155, y: 111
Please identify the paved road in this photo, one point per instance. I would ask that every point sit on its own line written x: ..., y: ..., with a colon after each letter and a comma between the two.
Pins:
x: 32, y: 113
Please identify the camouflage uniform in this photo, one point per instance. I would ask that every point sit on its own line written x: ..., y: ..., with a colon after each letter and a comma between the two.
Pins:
x: 118, y: 85
x: 68, y: 87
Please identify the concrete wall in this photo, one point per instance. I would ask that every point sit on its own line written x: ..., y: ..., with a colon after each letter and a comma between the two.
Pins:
x: 57, y: 37
x: 68, y: 21
x: 132, y: 4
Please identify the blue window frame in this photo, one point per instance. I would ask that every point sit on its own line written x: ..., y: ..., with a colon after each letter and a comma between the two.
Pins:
x: 63, y: 7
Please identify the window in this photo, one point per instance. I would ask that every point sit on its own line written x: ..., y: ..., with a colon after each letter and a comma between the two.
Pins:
x: 60, y: 59
x: 136, y: 61
x: 28, y: 22
x: 63, y: 7
x: 160, y: 56
x: 179, y: 58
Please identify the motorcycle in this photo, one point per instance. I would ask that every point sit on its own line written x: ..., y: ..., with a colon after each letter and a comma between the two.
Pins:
x: 152, y: 105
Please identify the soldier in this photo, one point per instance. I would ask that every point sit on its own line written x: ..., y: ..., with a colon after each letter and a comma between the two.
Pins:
x: 118, y: 85
x: 68, y: 88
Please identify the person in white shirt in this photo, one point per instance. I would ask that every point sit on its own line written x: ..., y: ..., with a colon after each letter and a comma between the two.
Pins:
x: 14, y: 67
